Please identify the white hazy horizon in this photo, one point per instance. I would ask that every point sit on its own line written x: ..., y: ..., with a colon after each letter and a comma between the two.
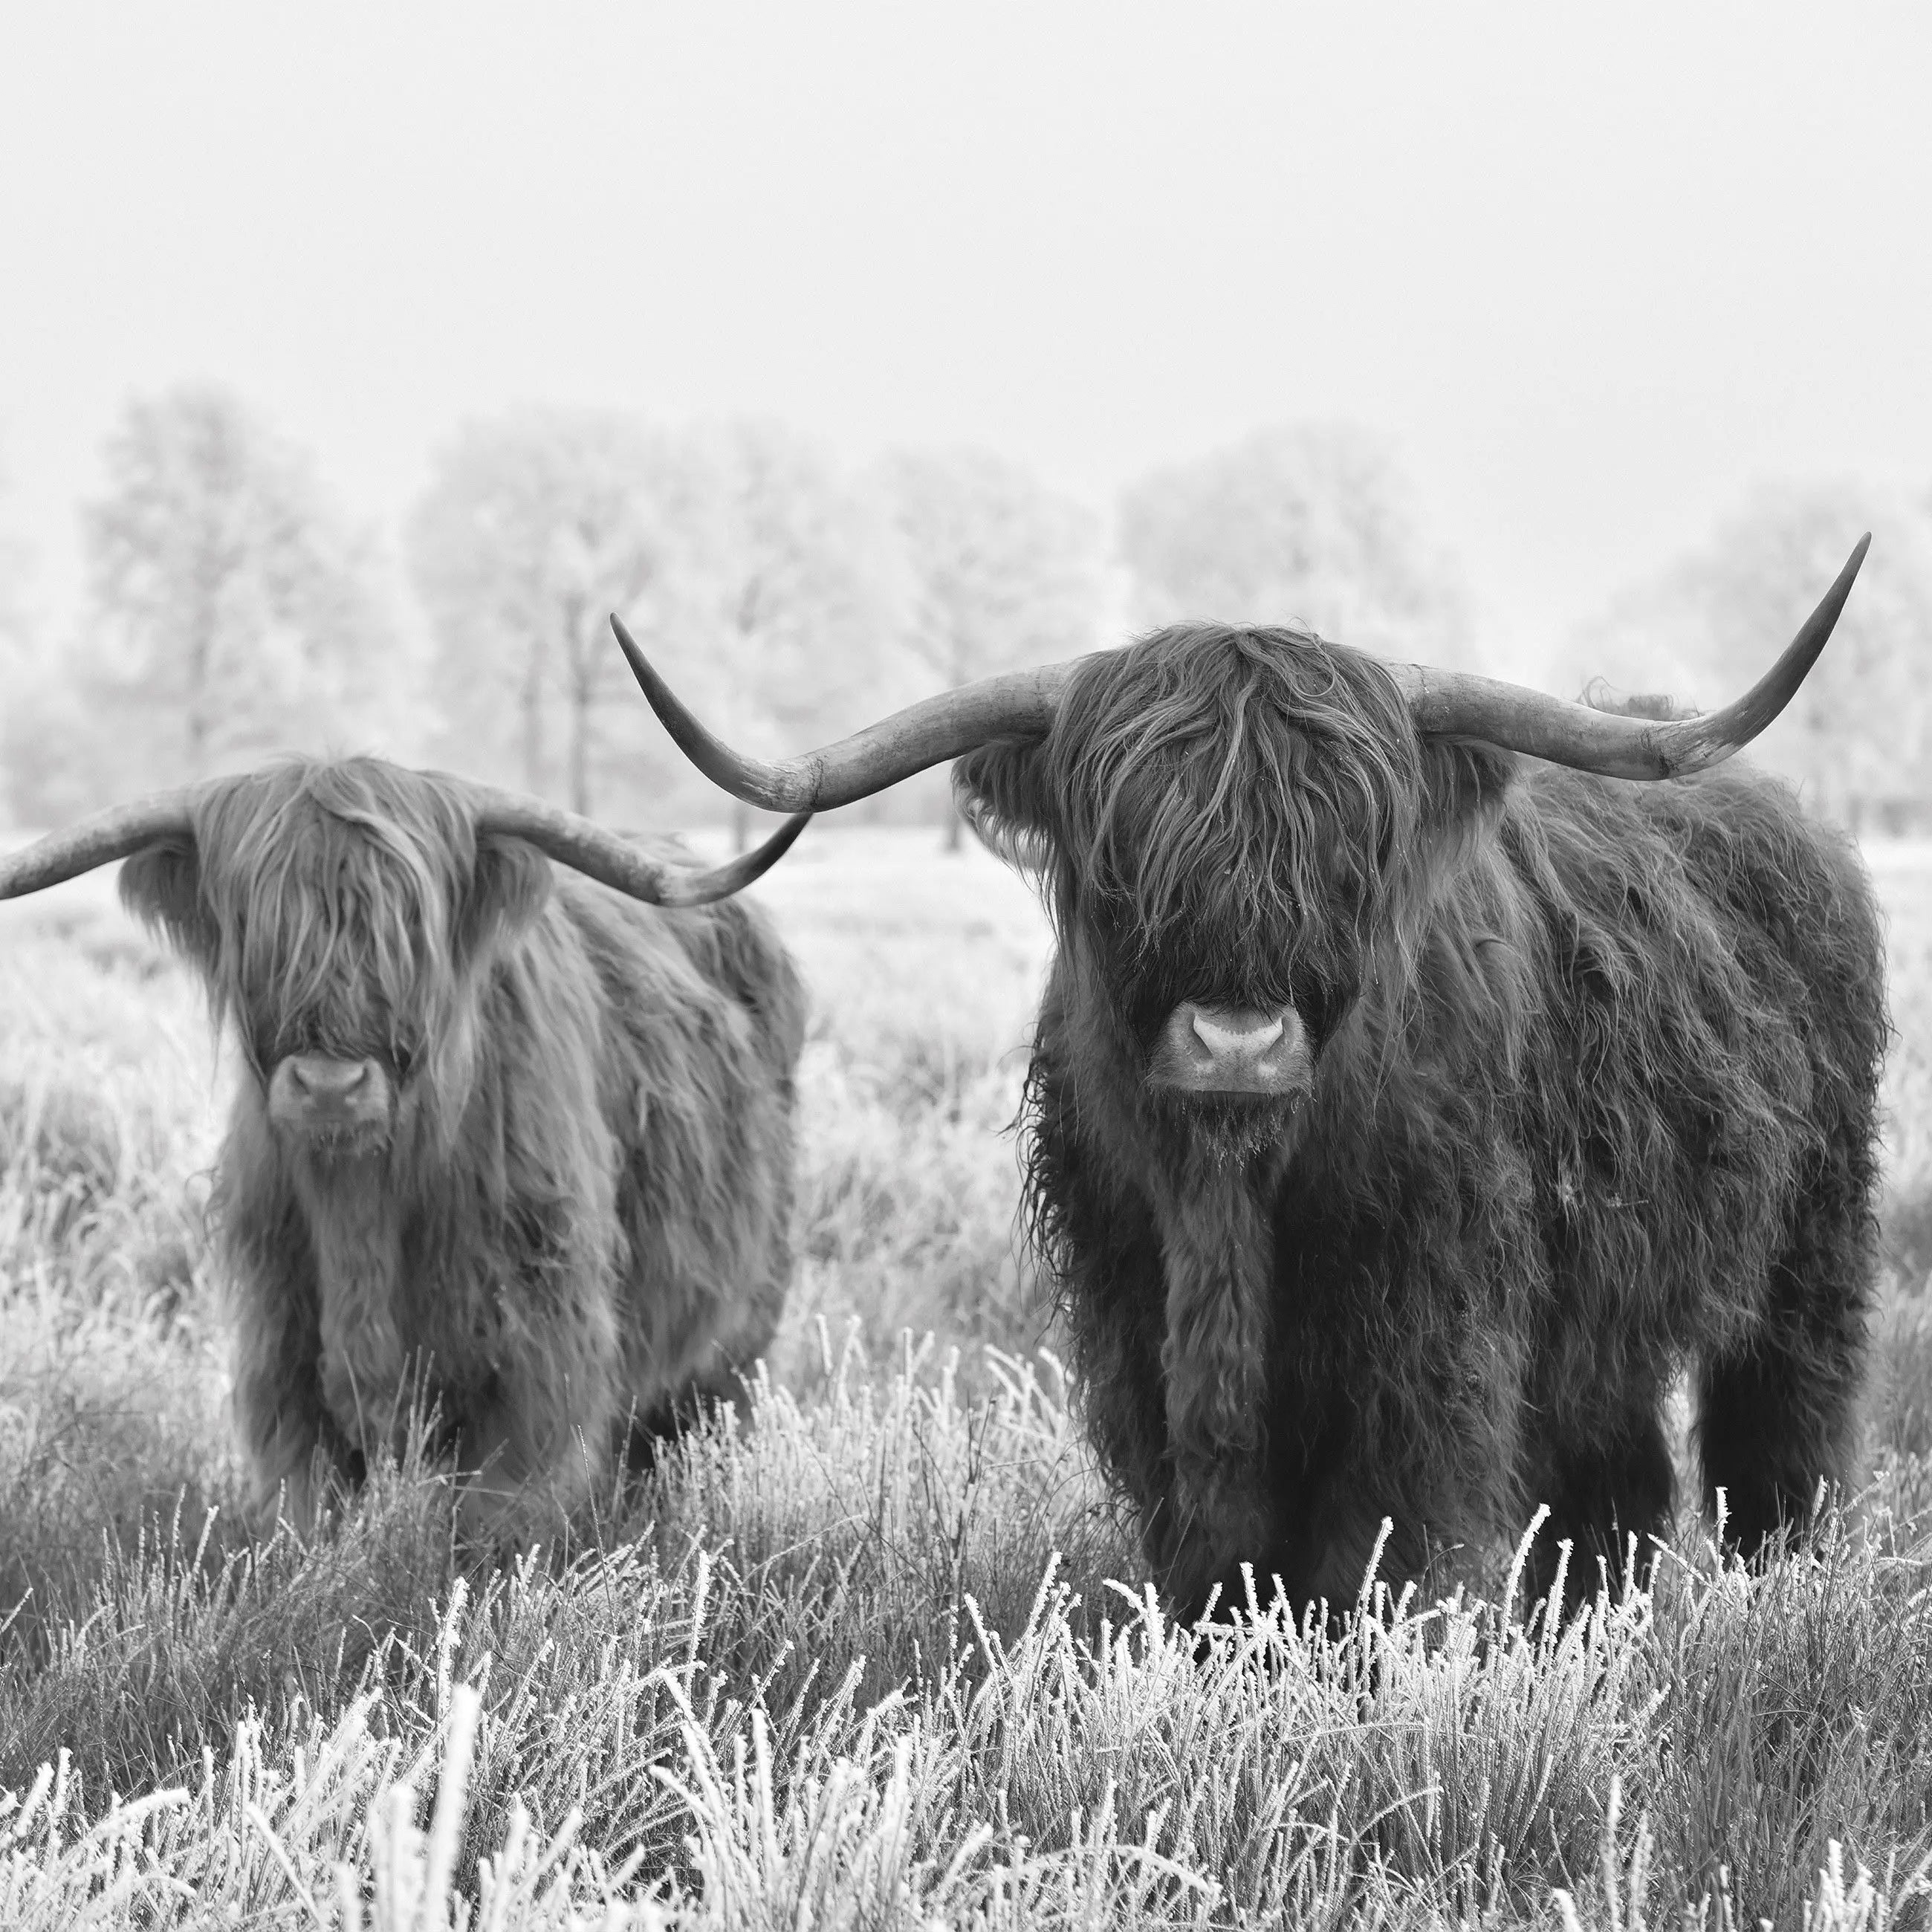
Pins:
x: 1594, y: 279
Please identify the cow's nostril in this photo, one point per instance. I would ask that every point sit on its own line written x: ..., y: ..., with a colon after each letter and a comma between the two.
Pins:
x: 1250, y: 1041
x: 319, y: 1079
x: 1203, y: 1049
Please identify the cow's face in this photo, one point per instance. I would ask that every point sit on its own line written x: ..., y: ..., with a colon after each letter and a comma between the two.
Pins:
x: 338, y: 914
x: 1228, y: 824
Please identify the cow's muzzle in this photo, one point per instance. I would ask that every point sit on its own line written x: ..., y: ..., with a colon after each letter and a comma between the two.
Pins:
x: 1232, y: 1050
x: 331, y: 1100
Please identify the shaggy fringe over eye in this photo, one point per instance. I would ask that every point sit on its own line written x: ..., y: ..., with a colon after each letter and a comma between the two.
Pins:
x: 1246, y: 799
x: 334, y: 888
x: 1027, y: 848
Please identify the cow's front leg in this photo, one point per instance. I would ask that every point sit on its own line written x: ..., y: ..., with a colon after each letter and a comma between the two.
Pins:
x: 538, y: 1435
x: 292, y: 1442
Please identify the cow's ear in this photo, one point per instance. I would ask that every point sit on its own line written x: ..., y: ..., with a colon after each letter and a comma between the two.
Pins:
x: 1463, y: 782
x: 1001, y: 791
x: 1462, y: 788
x: 161, y: 886
x: 509, y: 888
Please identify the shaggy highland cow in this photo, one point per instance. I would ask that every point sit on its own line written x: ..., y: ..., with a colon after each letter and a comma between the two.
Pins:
x: 1414, y: 1094
x: 502, y: 1136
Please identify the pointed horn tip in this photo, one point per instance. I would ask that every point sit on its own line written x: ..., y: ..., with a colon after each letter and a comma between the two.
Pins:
x: 1835, y: 597
x: 653, y: 687
x: 725, y: 881
x: 787, y: 836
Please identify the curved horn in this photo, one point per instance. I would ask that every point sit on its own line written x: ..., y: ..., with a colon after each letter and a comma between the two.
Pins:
x: 1014, y: 704
x: 1460, y: 705
x: 116, y: 833
x: 615, y: 862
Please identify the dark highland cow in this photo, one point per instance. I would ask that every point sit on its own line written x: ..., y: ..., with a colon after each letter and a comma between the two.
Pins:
x: 503, y: 1136
x: 1414, y: 1094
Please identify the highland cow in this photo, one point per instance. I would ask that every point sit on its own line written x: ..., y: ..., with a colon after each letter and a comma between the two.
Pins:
x: 504, y: 1138
x: 1414, y: 1095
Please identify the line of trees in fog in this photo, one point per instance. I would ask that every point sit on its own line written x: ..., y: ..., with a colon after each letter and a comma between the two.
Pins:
x: 1858, y: 733
x: 236, y: 610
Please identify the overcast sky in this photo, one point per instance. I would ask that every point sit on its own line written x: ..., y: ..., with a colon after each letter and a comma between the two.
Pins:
x: 1593, y: 271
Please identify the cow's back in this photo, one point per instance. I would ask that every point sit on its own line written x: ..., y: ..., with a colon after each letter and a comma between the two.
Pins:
x: 1710, y: 1026
x: 703, y: 1019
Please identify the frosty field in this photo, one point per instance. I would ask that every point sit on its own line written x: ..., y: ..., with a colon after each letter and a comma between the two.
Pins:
x: 885, y: 1657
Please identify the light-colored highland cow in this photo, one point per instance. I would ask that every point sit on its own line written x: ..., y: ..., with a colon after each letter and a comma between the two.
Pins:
x: 505, y: 1136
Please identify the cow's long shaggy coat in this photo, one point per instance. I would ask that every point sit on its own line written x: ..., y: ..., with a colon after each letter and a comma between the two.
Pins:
x: 573, y: 1219
x: 1593, y: 1093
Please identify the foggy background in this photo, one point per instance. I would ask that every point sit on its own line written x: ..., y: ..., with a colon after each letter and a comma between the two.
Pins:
x: 354, y: 365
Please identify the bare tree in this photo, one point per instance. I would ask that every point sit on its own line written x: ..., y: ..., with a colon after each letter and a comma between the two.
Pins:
x: 242, y: 614
x: 535, y: 527
x: 807, y: 587
x: 1312, y: 525
x: 1007, y: 571
x: 1858, y: 733
x: 15, y: 569
x: 23, y: 672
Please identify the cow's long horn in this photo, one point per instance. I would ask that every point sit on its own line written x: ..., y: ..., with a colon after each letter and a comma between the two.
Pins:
x: 615, y: 862
x: 125, y: 829
x: 1459, y: 704
x: 1014, y: 704
x: 115, y: 833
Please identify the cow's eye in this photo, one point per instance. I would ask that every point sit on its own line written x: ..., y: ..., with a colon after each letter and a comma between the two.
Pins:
x: 403, y: 1058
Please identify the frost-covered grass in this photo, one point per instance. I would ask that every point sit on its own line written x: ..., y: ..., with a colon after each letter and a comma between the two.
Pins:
x: 618, y: 1741
x: 885, y: 1657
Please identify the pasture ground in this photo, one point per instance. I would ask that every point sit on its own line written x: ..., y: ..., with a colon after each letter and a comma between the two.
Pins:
x: 886, y: 1658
